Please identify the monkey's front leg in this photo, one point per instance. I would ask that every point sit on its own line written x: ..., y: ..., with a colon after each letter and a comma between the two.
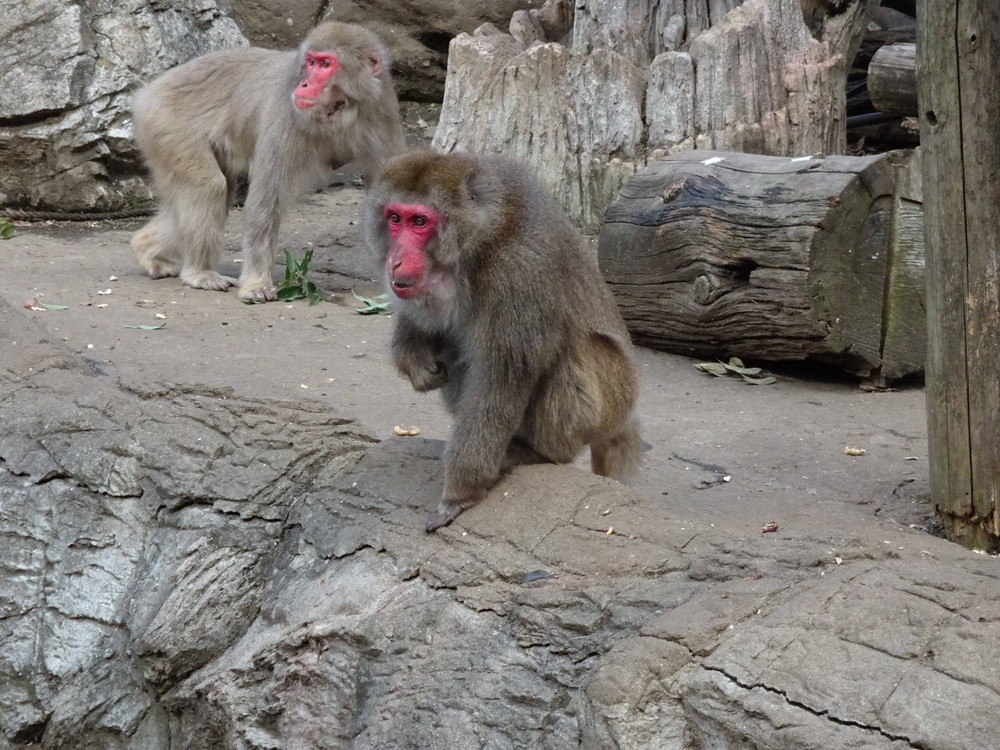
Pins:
x: 261, y: 220
x: 417, y: 355
x: 488, y: 414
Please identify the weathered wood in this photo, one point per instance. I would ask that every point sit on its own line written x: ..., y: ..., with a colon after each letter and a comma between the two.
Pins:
x: 716, y: 254
x: 959, y: 54
x: 892, y: 80
x: 618, y: 87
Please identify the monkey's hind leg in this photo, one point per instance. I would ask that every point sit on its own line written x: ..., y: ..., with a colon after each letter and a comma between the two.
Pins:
x: 201, y: 217
x: 154, y: 248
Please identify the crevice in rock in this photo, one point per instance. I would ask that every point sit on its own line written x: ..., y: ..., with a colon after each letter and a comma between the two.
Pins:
x: 825, y: 714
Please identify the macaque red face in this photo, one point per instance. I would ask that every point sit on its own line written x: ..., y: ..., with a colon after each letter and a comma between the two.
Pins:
x: 320, y: 66
x: 411, y: 227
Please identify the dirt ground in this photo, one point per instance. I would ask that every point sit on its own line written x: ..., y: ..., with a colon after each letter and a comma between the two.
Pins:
x: 722, y: 453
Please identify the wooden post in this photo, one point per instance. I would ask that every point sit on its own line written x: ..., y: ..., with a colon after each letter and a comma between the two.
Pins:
x: 958, y: 50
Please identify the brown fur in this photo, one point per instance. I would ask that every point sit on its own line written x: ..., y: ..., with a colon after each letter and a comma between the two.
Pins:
x: 204, y: 125
x: 518, y: 330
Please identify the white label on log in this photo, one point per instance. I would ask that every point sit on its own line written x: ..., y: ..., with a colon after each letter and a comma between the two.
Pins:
x: 713, y: 160
x: 802, y: 158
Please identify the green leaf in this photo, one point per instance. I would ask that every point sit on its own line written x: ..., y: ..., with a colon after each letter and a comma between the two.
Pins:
x: 148, y: 328
x: 289, y: 293
x: 53, y: 307
x: 7, y: 229
x: 372, y: 306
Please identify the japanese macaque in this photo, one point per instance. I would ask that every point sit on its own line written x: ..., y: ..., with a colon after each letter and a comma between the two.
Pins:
x: 499, y: 303
x: 285, y: 119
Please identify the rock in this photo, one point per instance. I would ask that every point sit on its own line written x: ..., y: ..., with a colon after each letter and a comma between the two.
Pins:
x: 189, y: 567
x: 65, y: 94
x: 417, y: 32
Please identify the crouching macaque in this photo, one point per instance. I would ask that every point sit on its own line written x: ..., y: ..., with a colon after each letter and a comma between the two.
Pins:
x: 285, y: 119
x: 499, y: 303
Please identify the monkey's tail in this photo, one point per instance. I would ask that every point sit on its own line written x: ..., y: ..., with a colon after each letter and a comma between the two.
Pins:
x: 617, y: 455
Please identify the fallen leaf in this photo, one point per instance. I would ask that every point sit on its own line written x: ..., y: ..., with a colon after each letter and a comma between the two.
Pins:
x: 610, y: 531
x: 406, y: 433
x: 769, y: 527
x: 854, y: 451
x: 148, y: 328
x: 106, y: 291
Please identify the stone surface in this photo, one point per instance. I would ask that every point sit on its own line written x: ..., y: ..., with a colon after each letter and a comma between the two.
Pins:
x: 65, y: 92
x: 195, y: 565
x: 418, y: 32
x: 69, y: 69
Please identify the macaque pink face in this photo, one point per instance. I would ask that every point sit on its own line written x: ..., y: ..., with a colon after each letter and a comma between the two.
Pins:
x: 411, y: 227
x: 320, y: 66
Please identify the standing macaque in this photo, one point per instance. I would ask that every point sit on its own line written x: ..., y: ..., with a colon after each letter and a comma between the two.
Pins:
x: 285, y: 119
x: 499, y: 303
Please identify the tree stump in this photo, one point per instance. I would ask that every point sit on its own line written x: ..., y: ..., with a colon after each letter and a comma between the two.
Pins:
x: 586, y: 92
x: 718, y: 254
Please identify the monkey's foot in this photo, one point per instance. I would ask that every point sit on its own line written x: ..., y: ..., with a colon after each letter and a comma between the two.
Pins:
x: 258, y: 294
x: 208, y: 280
x: 162, y: 269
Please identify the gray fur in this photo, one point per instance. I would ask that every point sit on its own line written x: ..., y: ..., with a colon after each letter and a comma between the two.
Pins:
x: 518, y: 329
x: 204, y: 125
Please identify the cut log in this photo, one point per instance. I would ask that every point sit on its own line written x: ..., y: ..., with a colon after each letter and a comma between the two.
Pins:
x: 718, y: 254
x: 892, y: 80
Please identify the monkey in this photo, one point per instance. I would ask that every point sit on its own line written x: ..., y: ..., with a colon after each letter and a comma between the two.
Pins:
x: 499, y: 304
x: 283, y: 119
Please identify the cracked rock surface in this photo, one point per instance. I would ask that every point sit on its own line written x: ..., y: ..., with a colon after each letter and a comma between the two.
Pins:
x: 203, y: 545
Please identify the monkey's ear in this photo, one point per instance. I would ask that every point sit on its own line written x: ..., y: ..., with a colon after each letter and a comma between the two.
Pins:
x: 374, y: 63
x: 472, y: 185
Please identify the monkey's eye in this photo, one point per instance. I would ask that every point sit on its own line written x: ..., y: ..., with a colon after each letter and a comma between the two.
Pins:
x: 419, y: 220
x: 393, y: 218
x: 324, y: 63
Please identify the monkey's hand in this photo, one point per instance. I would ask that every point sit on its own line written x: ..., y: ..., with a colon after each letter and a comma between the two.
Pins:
x: 425, y: 372
x: 450, y: 507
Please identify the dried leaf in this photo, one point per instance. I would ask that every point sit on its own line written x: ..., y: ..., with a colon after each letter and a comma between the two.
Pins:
x: 402, y: 432
x: 148, y: 328
x: 760, y: 381
x: 854, y: 451
x: 712, y: 368
x: 769, y: 527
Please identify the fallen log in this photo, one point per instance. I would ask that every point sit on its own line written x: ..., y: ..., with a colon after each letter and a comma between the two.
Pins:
x: 718, y: 254
x: 892, y: 80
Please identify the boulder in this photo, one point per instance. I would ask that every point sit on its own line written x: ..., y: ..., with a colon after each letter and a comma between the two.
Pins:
x: 66, y: 79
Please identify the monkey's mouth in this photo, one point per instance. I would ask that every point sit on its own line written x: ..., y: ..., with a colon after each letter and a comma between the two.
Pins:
x: 405, y: 288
